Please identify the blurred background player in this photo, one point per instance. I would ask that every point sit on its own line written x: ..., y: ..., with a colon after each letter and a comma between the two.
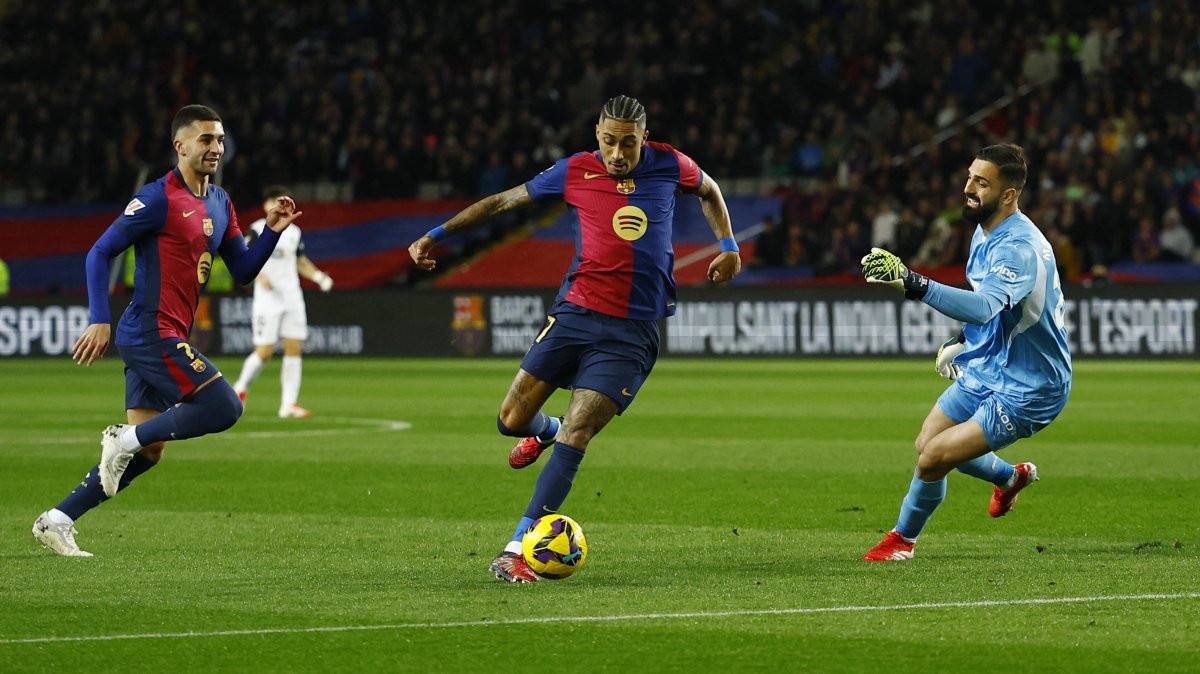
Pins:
x: 601, y: 338
x: 279, y: 310
x: 1011, y: 365
x: 172, y: 391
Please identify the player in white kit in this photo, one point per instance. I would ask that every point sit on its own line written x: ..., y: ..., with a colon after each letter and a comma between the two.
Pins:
x: 279, y: 311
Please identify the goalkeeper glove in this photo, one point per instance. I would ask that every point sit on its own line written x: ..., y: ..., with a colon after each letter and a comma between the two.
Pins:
x: 880, y: 266
x: 944, y: 362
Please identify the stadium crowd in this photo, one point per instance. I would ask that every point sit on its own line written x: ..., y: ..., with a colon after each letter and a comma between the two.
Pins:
x: 864, y: 111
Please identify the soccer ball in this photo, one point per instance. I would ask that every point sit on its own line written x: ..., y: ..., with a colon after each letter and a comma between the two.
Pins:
x: 554, y: 546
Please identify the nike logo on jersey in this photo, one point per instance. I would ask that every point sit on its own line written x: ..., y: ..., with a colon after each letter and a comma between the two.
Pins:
x: 187, y: 213
x: 588, y: 175
x: 625, y: 392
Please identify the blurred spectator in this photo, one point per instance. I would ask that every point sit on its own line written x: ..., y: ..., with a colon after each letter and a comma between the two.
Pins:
x: 771, y: 246
x: 884, y: 225
x: 944, y: 238
x: 1146, y: 246
x: 1177, y: 242
x: 1070, y: 266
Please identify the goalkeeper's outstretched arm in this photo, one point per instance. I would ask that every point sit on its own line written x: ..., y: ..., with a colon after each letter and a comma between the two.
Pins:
x: 880, y: 266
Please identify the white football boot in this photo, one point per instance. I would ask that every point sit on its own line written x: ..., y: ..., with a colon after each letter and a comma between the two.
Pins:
x: 59, y: 538
x: 294, y: 412
x: 113, y: 458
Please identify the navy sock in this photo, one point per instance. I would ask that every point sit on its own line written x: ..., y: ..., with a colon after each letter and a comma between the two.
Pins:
x: 988, y: 467
x: 89, y: 494
x: 540, y: 424
x: 918, y: 506
x: 554, y: 482
x: 211, y: 410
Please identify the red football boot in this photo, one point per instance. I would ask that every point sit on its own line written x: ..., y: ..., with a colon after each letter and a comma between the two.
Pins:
x: 893, y: 548
x: 528, y: 450
x: 1003, y: 499
x: 512, y: 567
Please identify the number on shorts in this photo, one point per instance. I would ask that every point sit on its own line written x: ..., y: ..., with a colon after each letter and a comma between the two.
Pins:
x: 549, y: 324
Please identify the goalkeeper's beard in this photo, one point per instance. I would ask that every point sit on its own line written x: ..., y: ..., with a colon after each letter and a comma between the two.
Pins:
x: 980, y: 214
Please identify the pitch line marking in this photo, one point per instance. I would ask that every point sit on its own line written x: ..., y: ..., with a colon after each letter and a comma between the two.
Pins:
x: 614, y: 618
x: 367, y: 424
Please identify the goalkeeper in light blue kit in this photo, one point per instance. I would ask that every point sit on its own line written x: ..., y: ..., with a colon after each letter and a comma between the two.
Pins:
x: 1011, y: 366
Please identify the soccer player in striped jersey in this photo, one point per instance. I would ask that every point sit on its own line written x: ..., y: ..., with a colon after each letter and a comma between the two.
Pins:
x: 1011, y: 365
x: 601, y: 336
x: 172, y: 391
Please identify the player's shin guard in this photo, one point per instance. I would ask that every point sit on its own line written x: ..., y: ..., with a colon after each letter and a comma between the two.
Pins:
x: 212, y: 409
x: 918, y: 506
x: 554, y: 482
x: 989, y: 467
x: 88, y: 494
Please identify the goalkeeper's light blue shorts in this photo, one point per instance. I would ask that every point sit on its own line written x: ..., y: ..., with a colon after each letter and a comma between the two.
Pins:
x: 580, y: 348
x: 1004, y: 420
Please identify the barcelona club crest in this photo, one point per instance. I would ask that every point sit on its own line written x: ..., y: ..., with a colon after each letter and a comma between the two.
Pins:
x: 208, y: 226
x: 469, y: 327
x: 626, y: 186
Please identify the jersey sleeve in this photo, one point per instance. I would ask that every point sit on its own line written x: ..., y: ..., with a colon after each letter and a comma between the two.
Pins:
x: 233, y: 230
x: 690, y: 174
x: 549, y: 184
x: 1012, y: 272
x: 146, y: 213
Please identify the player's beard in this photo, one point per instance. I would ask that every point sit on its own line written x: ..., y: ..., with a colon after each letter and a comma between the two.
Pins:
x: 980, y: 214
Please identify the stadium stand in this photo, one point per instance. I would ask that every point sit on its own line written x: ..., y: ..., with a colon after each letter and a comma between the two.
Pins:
x: 857, y: 126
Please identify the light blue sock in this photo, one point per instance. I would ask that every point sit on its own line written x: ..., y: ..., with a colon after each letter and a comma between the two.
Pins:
x: 989, y: 467
x: 918, y: 506
x: 552, y: 426
x: 543, y: 426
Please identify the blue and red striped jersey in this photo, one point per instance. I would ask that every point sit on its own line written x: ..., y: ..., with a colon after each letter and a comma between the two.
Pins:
x: 624, y: 262
x: 176, y: 235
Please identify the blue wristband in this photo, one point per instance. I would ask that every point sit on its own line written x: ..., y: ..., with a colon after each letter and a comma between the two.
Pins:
x: 729, y: 245
x: 437, y: 233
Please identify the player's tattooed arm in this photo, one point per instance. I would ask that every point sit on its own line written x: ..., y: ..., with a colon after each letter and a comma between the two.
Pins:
x: 487, y: 208
x: 481, y: 211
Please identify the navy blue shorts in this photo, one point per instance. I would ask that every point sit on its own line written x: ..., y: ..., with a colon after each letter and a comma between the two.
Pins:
x: 579, y: 348
x: 163, y: 373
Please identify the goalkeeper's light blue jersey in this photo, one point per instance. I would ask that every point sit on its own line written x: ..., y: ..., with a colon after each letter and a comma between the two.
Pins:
x: 1021, y: 351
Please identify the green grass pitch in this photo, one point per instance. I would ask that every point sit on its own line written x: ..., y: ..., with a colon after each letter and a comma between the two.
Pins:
x: 727, y: 514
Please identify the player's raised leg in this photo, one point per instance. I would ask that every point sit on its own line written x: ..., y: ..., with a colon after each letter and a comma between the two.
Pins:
x: 521, y: 416
x: 1005, y: 495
